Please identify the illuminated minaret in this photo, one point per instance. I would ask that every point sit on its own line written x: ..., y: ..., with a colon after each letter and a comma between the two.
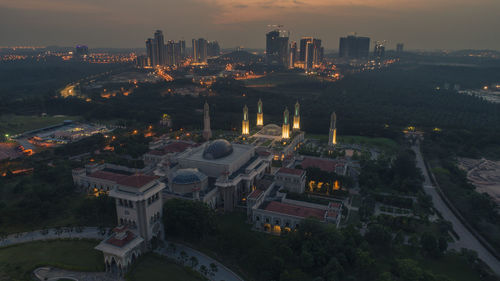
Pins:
x: 260, y: 115
x: 285, y: 132
x: 296, y: 117
x: 332, y: 140
x: 207, y: 133
x: 245, y: 126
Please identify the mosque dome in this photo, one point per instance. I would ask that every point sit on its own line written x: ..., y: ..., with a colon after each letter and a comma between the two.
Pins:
x: 188, y: 176
x: 271, y: 130
x: 218, y: 149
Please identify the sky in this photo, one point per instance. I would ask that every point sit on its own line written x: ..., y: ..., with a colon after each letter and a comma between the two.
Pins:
x: 419, y: 24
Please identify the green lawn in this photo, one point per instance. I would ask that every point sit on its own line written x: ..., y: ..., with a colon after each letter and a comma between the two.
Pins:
x: 281, y: 79
x: 379, y: 143
x: 152, y: 267
x: 16, y: 124
x: 17, y: 262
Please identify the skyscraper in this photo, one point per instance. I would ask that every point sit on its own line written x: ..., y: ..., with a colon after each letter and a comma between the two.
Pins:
x: 399, y: 47
x: 293, y: 54
x: 158, y: 48
x: 245, y: 126
x: 213, y: 49
x: 149, y: 52
x: 277, y: 48
x: 311, y: 52
x: 285, y: 130
x: 354, y: 47
x: 303, y: 47
x: 199, y: 50
x: 379, y: 50
x: 182, y: 44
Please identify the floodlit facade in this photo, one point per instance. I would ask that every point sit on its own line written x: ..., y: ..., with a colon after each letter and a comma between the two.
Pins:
x: 332, y: 139
x: 285, y: 131
x: 207, y: 132
x: 260, y: 114
x: 245, y: 126
x: 296, y: 117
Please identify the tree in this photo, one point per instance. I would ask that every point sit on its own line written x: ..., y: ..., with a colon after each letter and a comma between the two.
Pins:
x: 194, y: 261
x: 183, y: 257
x: 213, y: 269
x: 188, y: 219
x: 429, y: 244
x: 204, y: 270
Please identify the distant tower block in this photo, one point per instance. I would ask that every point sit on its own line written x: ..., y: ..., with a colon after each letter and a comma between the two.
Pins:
x: 207, y: 133
x: 332, y: 140
x: 296, y: 117
x: 260, y: 114
x: 245, y: 126
x: 285, y: 132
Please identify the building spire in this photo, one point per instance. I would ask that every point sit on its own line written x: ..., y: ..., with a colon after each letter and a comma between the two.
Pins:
x: 207, y: 132
x: 296, y: 117
x: 245, y: 126
x: 332, y: 140
x: 260, y: 114
x: 285, y: 131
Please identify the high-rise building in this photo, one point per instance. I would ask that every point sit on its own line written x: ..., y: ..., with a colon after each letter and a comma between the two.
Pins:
x: 213, y: 49
x: 303, y: 47
x: 149, y: 52
x: 399, y: 47
x: 354, y: 47
x: 260, y: 114
x: 182, y: 44
x: 296, y: 117
x: 379, y: 50
x: 207, y: 132
x: 293, y: 54
x: 332, y: 138
x: 245, y: 126
x: 173, y: 53
x: 199, y: 50
x: 285, y: 130
x: 158, y: 48
x: 277, y: 48
x: 81, y: 51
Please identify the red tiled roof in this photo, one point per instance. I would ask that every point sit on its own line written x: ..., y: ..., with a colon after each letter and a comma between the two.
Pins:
x: 177, y: 147
x: 137, y: 181
x: 263, y: 153
x: 291, y: 171
x: 157, y: 152
x: 107, y: 176
x: 323, y: 164
x: 113, y: 240
x: 295, y: 210
x: 256, y: 193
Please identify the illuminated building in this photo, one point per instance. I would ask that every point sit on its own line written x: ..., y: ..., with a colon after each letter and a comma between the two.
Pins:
x: 260, y: 114
x: 293, y: 54
x: 354, y: 47
x: 158, y: 48
x: 149, y: 51
x: 199, y: 50
x: 182, y: 44
x: 399, y: 48
x: 296, y: 117
x: 207, y: 132
x: 285, y: 130
x: 311, y: 52
x: 332, y: 139
x: 303, y: 47
x: 277, y: 48
x: 81, y: 52
x: 379, y: 50
x: 245, y: 126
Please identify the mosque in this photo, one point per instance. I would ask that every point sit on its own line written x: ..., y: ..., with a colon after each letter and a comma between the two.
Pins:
x: 222, y: 174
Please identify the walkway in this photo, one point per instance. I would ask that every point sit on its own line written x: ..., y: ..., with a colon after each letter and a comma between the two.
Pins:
x: 223, y: 273
x: 54, y: 274
x: 467, y: 240
x: 53, y: 233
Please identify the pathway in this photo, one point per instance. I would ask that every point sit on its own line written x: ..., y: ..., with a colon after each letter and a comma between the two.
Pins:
x: 467, y: 240
x: 51, y: 234
x: 223, y: 273
x: 54, y: 274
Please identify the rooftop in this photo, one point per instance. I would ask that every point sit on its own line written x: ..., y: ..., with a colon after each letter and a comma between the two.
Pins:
x: 179, y: 146
x: 296, y: 172
x: 295, y: 210
x: 255, y: 194
x: 137, y: 181
x: 110, y: 176
x: 323, y: 164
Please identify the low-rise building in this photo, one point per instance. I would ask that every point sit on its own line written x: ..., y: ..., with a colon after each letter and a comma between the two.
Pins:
x: 293, y: 180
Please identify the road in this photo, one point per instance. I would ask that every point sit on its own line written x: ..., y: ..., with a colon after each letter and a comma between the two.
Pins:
x: 51, y: 234
x: 467, y: 240
x: 223, y: 273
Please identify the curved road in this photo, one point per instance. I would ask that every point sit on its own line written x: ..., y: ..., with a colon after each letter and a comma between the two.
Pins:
x: 223, y: 273
x: 467, y: 240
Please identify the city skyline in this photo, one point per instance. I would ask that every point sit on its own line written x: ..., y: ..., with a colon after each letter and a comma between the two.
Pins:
x: 424, y: 25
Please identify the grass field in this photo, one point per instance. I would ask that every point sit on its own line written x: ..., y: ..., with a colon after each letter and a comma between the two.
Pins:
x: 16, y: 124
x: 17, y: 262
x: 276, y: 79
x: 378, y: 143
x: 151, y: 267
